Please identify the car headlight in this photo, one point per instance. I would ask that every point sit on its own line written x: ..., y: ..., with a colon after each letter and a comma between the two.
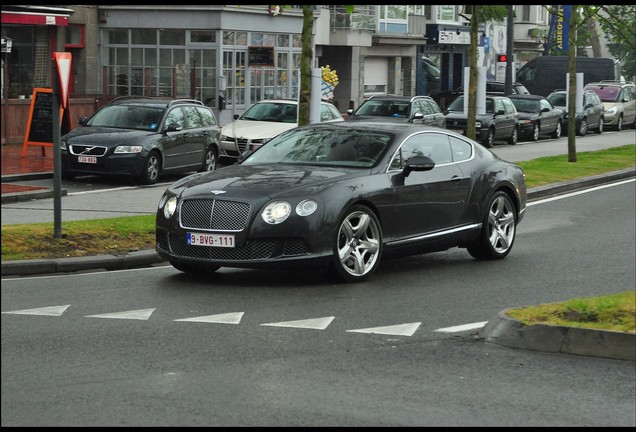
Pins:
x: 306, y: 207
x: 478, y: 125
x: 170, y: 207
x: 611, y: 111
x: 526, y: 122
x: 128, y: 149
x: 276, y: 212
x: 62, y: 145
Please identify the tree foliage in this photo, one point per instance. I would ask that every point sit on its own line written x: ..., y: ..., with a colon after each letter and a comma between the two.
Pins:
x: 619, y: 25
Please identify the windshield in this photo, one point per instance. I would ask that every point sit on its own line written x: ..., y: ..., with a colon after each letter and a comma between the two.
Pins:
x: 127, y: 117
x: 323, y: 146
x: 557, y: 99
x: 272, y: 112
x: 525, y: 105
x: 384, y: 108
x: 458, y: 105
x: 607, y: 94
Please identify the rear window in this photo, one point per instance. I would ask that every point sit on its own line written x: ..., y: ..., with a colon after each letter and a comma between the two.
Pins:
x: 606, y: 93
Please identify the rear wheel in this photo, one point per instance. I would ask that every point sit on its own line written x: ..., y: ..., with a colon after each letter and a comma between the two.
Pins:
x: 557, y: 131
x: 357, y: 245
x: 209, y: 164
x: 498, y: 230
x: 152, y: 168
x: 582, y: 129
x: 599, y: 129
x: 535, y: 132
x: 514, y: 137
x: 489, y: 141
x: 619, y: 123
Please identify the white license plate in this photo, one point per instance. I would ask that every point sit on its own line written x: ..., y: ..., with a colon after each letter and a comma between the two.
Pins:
x: 459, y: 131
x: 87, y: 159
x: 216, y: 240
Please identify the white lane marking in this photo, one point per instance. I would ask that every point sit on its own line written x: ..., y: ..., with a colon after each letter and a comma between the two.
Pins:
x: 313, y: 323
x: 139, y: 314
x: 226, y: 318
x: 400, y: 329
x: 48, y: 311
x: 558, y: 197
x: 463, y: 327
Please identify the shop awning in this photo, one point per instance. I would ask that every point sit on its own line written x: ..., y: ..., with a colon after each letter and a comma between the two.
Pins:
x: 32, y: 18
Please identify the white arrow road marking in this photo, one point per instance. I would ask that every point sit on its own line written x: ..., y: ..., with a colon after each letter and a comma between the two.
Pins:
x: 314, y: 323
x: 227, y: 318
x: 48, y: 311
x: 400, y: 329
x: 462, y: 327
x: 139, y: 314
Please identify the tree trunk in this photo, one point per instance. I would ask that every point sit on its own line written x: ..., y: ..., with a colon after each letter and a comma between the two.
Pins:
x: 472, y: 82
x: 594, y: 39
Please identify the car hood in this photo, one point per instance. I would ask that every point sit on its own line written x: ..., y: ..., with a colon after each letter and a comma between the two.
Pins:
x: 458, y: 115
x: 103, y: 136
x: 257, y: 181
x: 378, y: 119
x: 251, y: 129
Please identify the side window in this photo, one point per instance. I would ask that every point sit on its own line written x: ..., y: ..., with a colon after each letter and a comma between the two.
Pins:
x: 499, y: 105
x: 194, y: 119
x: 325, y: 113
x: 434, y: 145
x: 461, y: 149
x: 543, y: 103
x: 207, y: 116
x: 175, y: 116
x: 433, y: 107
x: 509, y: 106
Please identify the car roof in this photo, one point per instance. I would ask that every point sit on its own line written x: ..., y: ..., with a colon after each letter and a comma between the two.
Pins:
x: 609, y: 83
x: 525, y: 96
x: 381, y: 126
x: 286, y: 101
x: 151, y: 101
x: 398, y: 97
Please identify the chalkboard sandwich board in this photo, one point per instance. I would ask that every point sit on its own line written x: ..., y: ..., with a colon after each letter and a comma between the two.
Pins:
x: 39, y: 128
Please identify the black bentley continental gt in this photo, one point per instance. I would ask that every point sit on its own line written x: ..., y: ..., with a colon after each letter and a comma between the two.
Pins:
x: 344, y: 196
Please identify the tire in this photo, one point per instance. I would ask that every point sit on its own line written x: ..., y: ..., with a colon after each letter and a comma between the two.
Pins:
x: 194, y: 268
x: 581, y: 130
x: 514, y: 137
x: 558, y: 130
x: 536, y: 132
x: 619, y: 123
x: 152, y: 168
x: 599, y: 129
x: 498, y: 231
x: 490, y: 139
x: 357, y: 245
x: 210, y: 161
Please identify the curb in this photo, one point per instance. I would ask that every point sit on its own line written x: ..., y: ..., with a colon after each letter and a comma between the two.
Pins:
x: 509, y: 332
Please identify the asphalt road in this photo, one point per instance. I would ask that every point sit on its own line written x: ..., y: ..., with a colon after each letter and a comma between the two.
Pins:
x: 154, y: 347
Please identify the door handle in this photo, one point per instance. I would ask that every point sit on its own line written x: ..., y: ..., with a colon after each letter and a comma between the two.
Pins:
x: 456, y: 179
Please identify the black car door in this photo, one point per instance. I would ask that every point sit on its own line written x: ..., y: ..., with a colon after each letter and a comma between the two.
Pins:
x: 427, y: 201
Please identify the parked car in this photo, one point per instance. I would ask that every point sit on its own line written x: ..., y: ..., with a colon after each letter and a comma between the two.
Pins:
x: 143, y: 137
x: 591, y: 116
x: 446, y: 97
x: 537, y: 117
x: 263, y: 121
x: 619, y: 101
x: 343, y: 196
x: 499, y: 122
x: 400, y: 109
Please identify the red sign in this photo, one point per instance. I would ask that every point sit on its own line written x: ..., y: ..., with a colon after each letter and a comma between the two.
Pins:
x: 63, y: 60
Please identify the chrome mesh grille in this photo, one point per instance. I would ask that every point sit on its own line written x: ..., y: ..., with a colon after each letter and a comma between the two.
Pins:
x: 214, y: 214
x: 87, y: 150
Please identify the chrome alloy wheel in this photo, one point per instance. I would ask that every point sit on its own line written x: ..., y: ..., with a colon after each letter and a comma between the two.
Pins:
x: 358, y: 244
x: 501, y: 224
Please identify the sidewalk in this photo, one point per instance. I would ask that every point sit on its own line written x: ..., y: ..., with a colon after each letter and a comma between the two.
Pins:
x: 16, y: 168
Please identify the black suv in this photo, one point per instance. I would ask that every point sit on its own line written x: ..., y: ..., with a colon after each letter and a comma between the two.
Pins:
x: 445, y: 98
x: 143, y: 137
x: 400, y: 109
x: 500, y: 122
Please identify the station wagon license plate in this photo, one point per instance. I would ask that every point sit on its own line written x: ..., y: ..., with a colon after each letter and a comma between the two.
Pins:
x: 216, y: 240
x: 459, y: 131
x: 87, y: 159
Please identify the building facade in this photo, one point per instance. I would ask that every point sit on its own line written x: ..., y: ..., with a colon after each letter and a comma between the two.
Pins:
x: 231, y: 56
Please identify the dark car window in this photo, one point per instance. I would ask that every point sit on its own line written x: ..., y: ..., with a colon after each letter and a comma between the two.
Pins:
x: 460, y: 148
x: 194, y: 119
x: 509, y: 106
x: 207, y: 116
x: 175, y: 116
x: 557, y: 99
x: 434, y: 145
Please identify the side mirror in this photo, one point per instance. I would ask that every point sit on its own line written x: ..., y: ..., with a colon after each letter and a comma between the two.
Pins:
x: 82, y: 121
x: 418, y: 163
x: 173, y: 127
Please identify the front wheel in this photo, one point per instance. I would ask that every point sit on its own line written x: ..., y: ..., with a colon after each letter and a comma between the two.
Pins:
x: 489, y: 141
x: 194, y: 268
x: 152, y: 169
x: 536, y: 132
x: 599, y: 129
x: 498, y: 231
x: 582, y: 129
x: 357, y: 245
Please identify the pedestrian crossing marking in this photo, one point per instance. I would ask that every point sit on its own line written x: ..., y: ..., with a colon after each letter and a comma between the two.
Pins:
x: 226, y: 318
x: 139, y: 314
x: 313, y: 323
x: 398, y: 330
x: 46, y: 311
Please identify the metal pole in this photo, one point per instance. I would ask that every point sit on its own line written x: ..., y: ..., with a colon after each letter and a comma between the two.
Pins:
x: 509, y: 49
x: 57, y: 155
